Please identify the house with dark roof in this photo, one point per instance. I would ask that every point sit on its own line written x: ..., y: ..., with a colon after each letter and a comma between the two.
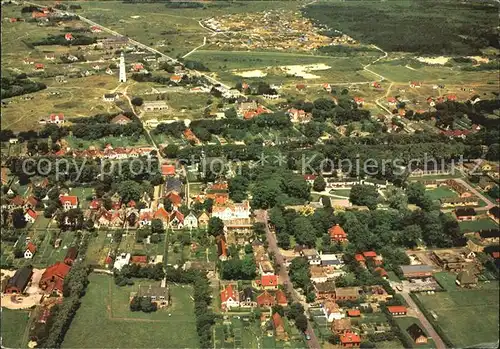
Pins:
x: 172, y: 184
x: 71, y: 255
x: 17, y: 283
x: 494, y: 213
x: 247, y: 298
x: 157, y: 294
x: 417, y: 271
x: 465, y: 214
x: 467, y: 278
x: 417, y: 334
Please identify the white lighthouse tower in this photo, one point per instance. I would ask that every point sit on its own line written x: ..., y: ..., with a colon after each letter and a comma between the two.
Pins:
x: 123, y: 76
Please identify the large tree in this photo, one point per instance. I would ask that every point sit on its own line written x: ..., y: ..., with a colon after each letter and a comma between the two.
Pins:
x: 215, y: 226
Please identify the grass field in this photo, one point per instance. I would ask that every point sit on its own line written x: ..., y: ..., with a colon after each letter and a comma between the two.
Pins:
x: 228, y: 63
x: 468, y: 316
x: 405, y: 322
x: 480, y: 224
x: 441, y: 193
x: 104, y: 317
x: 14, y: 324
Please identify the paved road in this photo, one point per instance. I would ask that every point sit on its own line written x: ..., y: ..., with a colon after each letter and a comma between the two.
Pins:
x: 427, y: 325
x: 261, y: 216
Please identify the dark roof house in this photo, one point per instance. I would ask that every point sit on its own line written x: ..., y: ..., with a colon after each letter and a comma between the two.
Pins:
x: 19, y: 281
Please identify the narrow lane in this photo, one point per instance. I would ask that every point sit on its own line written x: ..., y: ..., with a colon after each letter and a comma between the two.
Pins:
x: 262, y: 216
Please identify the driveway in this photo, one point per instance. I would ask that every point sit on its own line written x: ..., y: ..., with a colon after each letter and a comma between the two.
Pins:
x: 427, y: 325
x: 261, y: 216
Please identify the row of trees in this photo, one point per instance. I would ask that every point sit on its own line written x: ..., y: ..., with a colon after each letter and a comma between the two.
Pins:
x: 19, y: 85
x: 124, y: 276
x: 60, y: 39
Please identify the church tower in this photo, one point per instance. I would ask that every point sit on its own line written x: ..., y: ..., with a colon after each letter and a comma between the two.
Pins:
x: 123, y: 76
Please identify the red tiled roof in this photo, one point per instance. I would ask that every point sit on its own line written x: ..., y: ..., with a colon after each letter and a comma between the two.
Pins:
x: 269, y: 280
x: 309, y: 177
x: 95, y: 204
x: 139, y: 259
x: 396, y: 309
x: 72, y: 199
x: 381, y: 271
x: 359, y: 257
x: 265, y: 298
x: 17, y: 200
x: 336, y: 230
x: 370, y: 254
x: 31, y: 213
x: 176, y: 78
x: 167, y: 170
x: 349, y: 338
x: 59, y: 270
x: 227, y: 293
x: 281, y: 297
x: 178, y: 215
x: 161, y: 213
x: 31, y: 247
x: 68, y: 36
x: 53, y: 116
x: 175, y: 198
x: 353, y: 312
x: 277, y: 320
x: 108, y: 260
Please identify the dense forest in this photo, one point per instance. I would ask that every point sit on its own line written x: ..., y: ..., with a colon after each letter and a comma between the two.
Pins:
x: 19, y: 85
x: 424, y: 27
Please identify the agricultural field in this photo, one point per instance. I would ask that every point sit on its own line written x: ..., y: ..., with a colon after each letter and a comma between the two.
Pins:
x: 104, y: 317
x: 480, y: 224
x: 14, y: 326
x: 467, y: 316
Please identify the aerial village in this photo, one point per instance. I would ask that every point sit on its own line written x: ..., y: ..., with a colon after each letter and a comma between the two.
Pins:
x: 150, y: 198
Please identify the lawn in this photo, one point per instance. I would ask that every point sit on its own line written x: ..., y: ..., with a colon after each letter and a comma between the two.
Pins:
x: 104, y: 317
x: 341, y: 192
x: 405, y: 322
x: 46, y: 253
x: 441, y: 193
x: 14, y: 323
x: 480, y: 224
x: 467, y: 316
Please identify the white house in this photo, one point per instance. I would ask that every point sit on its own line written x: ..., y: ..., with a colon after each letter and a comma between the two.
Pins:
x: 233, y: 211
x: 30, y: 216
x: 30, y: 251
x: 229, y: 298
x: 312, y: 256
x: 57, y: 119
x: 121, y: 261
x: 190, y: 221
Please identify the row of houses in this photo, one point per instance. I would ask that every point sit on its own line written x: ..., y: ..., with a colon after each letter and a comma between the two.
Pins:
x: 249, y: 298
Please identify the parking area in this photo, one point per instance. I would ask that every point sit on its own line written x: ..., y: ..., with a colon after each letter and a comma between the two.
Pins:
x: 421, y: 285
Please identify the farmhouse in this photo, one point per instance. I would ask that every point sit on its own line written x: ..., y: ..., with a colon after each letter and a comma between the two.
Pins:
x: 451, y: 260
x: 53, y: 277
x: 465, y: 214
x: 120, y: 120
x: 159, y: 295
x: 18, y: 282
x: 325, y: 290
x: 71, y: 255
x: 417, y: 271
x: 57, y: 119
x: 154, y: 106
x: 417, y: 334
x: 397, y: 310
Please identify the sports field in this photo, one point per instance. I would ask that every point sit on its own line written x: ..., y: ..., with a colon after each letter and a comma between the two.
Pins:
x: 104, y: 317
x: 468, y: 317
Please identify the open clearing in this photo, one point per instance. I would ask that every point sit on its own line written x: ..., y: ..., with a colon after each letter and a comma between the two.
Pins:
x: 104, y: 317
x: 441, y: 193
x: 467, y: 316
x: 14, y: 324
x: 480, y: 224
